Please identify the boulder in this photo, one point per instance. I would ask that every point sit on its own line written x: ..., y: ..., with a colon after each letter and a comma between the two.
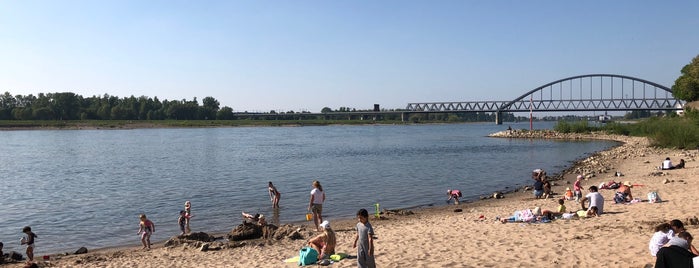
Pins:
x: 199, y: 236
x: 245, y: 231
x: 81, y: 250
x: 287, y: 231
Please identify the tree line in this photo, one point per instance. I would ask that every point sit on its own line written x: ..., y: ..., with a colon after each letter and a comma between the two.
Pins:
x: 71, y: 106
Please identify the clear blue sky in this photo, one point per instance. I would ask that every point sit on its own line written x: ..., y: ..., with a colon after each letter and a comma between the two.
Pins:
x: 305, y: 55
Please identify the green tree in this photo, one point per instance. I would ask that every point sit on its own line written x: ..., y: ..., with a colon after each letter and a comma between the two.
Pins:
x: 686, y: 86
x: 225, y: 113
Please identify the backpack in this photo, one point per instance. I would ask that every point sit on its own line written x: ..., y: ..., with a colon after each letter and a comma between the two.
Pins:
x: 307, y: 256
x: 653, y: 197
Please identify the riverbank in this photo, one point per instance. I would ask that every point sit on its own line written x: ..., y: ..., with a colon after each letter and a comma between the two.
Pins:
x: 139, y: 124
x: 441, y: 237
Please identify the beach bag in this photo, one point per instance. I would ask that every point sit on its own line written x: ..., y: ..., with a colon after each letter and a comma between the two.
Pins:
x: 653, y: 197
x: 307, y: 256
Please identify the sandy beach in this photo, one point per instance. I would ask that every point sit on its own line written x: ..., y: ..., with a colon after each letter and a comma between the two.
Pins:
x: 442, y: 237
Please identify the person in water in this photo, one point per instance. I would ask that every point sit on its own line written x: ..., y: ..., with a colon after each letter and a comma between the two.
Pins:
x: 274, y: 195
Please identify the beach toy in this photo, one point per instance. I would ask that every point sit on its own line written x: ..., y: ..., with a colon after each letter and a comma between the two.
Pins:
x: 309, y: 216
x: 377, y: 212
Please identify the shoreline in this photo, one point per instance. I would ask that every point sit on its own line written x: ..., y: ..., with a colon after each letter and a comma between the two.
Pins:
x: 266, y: 253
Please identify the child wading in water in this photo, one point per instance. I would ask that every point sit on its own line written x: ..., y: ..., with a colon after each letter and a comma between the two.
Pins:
x: 187, y: 215
x: 365, y: 247
x: 145, y: 229
x: 29, y: 241
x: 182, y: 221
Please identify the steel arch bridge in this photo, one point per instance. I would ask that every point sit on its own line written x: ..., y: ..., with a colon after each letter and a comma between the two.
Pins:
x: 590, y: 92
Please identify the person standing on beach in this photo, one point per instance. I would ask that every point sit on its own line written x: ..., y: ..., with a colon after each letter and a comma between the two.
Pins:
x: 274, y: 195
x: 28, y: 240
x: 145, y: 228
x: 596, y: 200
x: 316, y: 204
x: 577, y: 188
x: 365, y: 237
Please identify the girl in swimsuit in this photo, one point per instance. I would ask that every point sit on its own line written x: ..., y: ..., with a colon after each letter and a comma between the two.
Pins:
x: 274, y: 195
x: 146, y: 228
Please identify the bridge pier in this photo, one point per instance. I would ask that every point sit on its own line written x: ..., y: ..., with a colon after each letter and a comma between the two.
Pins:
x: 498, y: 118
x: 403, y: 117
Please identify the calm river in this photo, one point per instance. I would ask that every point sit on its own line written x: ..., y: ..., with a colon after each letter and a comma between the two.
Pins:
x: 86, y: 187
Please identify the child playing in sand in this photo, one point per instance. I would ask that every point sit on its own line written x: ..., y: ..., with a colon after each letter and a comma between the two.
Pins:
x: 28, y: 240
x: 569, y: 194
x: 659, y: 238
x: 577, y: 188
x: 145, y: 228
x: 561, y: 207
x: 187, y: 215
x: 365, y: 248
x: 182, y: 222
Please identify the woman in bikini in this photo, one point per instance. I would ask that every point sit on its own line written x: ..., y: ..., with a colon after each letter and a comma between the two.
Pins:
x: 274, y: 195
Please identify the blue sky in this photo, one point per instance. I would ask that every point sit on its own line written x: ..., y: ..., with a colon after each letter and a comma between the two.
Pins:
x: 306, y: 55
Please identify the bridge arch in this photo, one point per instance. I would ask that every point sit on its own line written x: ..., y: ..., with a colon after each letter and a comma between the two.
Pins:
x: 607, y: 100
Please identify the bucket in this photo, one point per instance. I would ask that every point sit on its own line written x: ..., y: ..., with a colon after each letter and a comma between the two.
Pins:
x: 309, y: 216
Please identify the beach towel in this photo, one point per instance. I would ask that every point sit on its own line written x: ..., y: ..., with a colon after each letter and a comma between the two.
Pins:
x: 524, y: 215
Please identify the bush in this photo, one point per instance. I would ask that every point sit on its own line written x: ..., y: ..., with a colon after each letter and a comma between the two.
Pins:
x: 575, y: 127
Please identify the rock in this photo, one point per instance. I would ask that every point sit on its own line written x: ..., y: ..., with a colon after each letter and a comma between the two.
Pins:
x: 199, y: 236
x: 287, y: 231
x: 245, y: 231
x: 666, y: 181
x: 458, y: 210
x: 81, y: 250
x: 497, y: 195
x: 268, y: 231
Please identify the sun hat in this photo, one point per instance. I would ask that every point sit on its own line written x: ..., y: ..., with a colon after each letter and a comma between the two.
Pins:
x: 579, y: 177
x: 628, y: 183
x: 567, y: 188
x: 325, y: 225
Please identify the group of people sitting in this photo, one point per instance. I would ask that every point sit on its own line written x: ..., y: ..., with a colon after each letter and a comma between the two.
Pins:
x: 667, y: 164
x: 542, y: 187
x: 671, y: 244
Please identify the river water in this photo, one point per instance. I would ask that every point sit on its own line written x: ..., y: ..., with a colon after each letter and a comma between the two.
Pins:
x: 86, y: 187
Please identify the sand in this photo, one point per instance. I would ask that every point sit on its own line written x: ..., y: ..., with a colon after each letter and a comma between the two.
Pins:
x: 441, y: 237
